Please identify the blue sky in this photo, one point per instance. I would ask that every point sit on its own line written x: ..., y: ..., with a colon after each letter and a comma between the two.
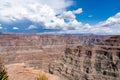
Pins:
x: 95, y: 11
x: 60, y: 16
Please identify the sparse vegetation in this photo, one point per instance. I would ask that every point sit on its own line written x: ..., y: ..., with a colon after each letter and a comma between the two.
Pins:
x: 3, y: 73
x: 41, y: 76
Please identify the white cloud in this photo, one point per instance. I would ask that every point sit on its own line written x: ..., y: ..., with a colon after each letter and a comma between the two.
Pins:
x: 36, y: 10
x: 32, y: 10
x: 1, y: 26
x: 32, y: 27
x: 68, y: 15
x: 15, y: 28
x: 40, y: 11
x: 45, y: 11
x: 110, y: 26
x: 58, y: 5
x: 111, y: 22
x: 78, y: 11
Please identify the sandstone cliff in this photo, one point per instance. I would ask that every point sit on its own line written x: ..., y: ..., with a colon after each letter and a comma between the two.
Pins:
x: 98, y: 62
x: 40, y: 50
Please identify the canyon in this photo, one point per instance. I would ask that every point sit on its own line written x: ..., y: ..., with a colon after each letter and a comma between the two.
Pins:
x: 40, y: 50
x: 98, y: 62
x: 71, y: 57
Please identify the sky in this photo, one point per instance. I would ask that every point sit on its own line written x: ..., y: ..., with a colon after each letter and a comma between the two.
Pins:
x: 60, y: 16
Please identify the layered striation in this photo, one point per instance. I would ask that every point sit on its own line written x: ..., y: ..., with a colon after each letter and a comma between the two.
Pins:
x: 98, y: 62
x: 39, y: 50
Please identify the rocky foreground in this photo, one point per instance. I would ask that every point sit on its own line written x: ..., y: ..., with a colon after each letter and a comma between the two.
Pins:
x: 19, y: 71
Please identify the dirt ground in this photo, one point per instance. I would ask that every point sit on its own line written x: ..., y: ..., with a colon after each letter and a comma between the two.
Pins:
x: 19, y: 71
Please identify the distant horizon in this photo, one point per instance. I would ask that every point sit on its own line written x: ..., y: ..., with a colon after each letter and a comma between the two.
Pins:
x: 100, y: 17
x: 56, y: 33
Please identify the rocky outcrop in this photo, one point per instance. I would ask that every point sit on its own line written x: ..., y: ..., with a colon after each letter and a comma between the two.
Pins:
x: 99, y: 62
x: 19, y: 71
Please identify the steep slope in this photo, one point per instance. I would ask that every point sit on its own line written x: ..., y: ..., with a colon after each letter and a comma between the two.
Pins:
x: 99, y: 62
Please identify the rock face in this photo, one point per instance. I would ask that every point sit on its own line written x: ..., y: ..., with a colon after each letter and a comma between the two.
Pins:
x: 40, y: 50
x: 98, y: 62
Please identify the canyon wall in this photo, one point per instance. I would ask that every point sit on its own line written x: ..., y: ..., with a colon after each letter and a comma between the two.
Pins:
x: 40, y: 50
x: 98, y: 62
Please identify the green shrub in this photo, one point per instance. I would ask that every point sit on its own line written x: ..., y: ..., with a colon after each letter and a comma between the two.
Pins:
x: 3, y: 73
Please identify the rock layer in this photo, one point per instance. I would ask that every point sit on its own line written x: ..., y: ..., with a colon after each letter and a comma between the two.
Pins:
x: 98, y: 62
x: 40, y: 50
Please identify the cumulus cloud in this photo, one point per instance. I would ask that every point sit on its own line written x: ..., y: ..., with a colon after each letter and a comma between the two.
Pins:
x: 30, y: 9
x: 78, y: 11
x: 58, y: 5
x: 32, y: 27
x: 15, y: 28
x: 52, y: 14
x: 110, y: 26
x: 34, y: 10
x: 1, y: 26
x: 111, y: 22
x: 40, y: 11
x: 70, y: 15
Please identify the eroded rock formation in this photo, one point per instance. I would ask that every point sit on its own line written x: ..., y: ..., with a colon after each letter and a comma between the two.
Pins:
x: 98, y: 62
x: 40, y: 50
